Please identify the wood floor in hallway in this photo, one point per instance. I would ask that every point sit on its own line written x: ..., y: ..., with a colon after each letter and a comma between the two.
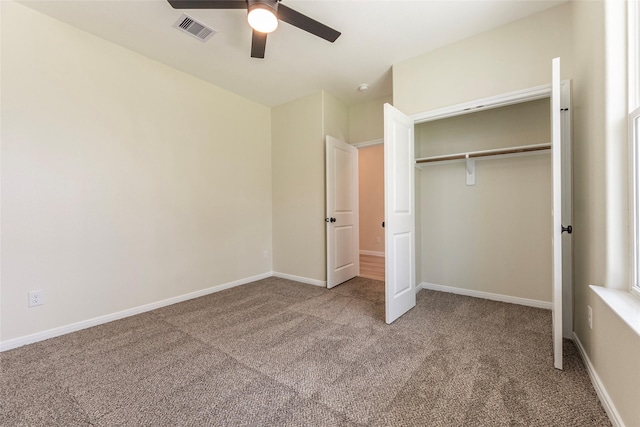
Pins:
x: 372, y: 267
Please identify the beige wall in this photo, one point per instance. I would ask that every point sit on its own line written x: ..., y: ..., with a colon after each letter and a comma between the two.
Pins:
x: 124, y: 182
x: 335, y: 117
x: 298, y: 188
x: 371, y: 193
x: 512, y: 57
x: 601, y: 205
x: 298, y: 152
x: 366, y: 120
x: 493, y: 236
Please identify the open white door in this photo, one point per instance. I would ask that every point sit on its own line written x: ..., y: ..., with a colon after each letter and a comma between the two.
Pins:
x: 343, y: 258
x: 399, y: 206
x: 556, y: 161
x: 567, y: 209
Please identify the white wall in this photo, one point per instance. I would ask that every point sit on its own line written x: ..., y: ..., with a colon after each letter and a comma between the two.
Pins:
x: 124, y: 182
x: 493, y: 236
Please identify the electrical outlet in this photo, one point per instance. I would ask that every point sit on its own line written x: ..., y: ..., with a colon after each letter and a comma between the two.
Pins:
x: 590, y: 316
x: 36, y: 298
x: 265, y: 255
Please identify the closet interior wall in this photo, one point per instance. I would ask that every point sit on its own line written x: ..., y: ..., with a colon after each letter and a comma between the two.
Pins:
x: 494, y: 236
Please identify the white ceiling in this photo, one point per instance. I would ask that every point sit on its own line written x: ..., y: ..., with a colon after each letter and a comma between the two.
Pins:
x: 375, y: 35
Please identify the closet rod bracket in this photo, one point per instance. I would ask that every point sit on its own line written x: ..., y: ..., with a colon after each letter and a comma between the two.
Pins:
x: 471, y: 170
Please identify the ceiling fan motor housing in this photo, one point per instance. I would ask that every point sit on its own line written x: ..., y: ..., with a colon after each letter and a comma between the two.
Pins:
x: 265, y: 4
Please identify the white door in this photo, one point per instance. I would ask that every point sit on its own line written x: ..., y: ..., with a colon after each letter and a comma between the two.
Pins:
x: 399, y: 206
x: 556, y: 161
x: 567, y: 209
x: 343, y: 258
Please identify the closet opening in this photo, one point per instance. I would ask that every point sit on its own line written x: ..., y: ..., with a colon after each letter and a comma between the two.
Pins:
x: 488, y: 236
x: 482, y: 240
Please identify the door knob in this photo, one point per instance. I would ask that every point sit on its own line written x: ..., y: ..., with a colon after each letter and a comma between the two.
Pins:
x: 330, y: 220
x: 568, y: 229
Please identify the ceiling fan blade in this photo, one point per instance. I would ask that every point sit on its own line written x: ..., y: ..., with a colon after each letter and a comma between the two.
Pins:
x: 208, y: 4
x: 303, y: 22
x: 258, y: 44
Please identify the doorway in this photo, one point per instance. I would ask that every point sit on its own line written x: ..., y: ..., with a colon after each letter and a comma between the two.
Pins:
x: 371, y: 201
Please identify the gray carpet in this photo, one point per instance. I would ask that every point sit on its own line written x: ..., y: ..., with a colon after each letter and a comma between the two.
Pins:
x: 280, y: 353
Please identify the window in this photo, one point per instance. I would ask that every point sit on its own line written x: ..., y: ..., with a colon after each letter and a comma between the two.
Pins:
x: 633, y: 84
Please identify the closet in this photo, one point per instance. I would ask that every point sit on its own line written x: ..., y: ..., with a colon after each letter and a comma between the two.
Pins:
x: 484, y: 211
x: 489, y: 235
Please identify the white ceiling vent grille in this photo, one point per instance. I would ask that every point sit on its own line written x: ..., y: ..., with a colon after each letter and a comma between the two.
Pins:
x: 194, y: 28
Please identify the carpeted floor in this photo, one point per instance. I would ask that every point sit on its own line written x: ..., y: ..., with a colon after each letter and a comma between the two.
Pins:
x: 280, y: 353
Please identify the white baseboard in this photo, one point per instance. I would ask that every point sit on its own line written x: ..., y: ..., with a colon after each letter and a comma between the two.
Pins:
x: 372, y: 253
x: 487, y: 295
x: 62, y: 330
x: 601, y: 391
x: 300, y: 279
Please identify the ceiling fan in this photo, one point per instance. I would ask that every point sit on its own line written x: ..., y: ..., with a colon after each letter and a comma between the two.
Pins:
x: 263, y: 16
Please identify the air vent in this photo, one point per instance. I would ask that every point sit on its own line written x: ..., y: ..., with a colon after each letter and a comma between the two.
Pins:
x: 194, y: 28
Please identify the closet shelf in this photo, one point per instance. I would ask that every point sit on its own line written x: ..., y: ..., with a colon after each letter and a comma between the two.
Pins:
x: 523, y: 149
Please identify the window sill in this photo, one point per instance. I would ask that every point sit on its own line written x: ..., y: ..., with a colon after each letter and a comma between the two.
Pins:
x: 623, y: 303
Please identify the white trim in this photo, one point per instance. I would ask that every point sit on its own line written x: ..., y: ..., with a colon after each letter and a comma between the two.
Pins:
x: 567, y: 207
x: 306, y: 280
x: 623, y: 303
x: 487, y: 295
x: 601, y: 391
x: 516, y: 97
x: 634, y: 196
x: 633, y: 61
x: 369, y: 143
x: 371, y: 253
x: 62, y: 330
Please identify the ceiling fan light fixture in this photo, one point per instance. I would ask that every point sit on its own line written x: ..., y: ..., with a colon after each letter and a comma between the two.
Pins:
x: 262, y: 17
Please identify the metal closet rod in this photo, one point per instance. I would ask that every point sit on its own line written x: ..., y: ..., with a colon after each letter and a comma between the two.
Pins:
x: 486, y: 153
